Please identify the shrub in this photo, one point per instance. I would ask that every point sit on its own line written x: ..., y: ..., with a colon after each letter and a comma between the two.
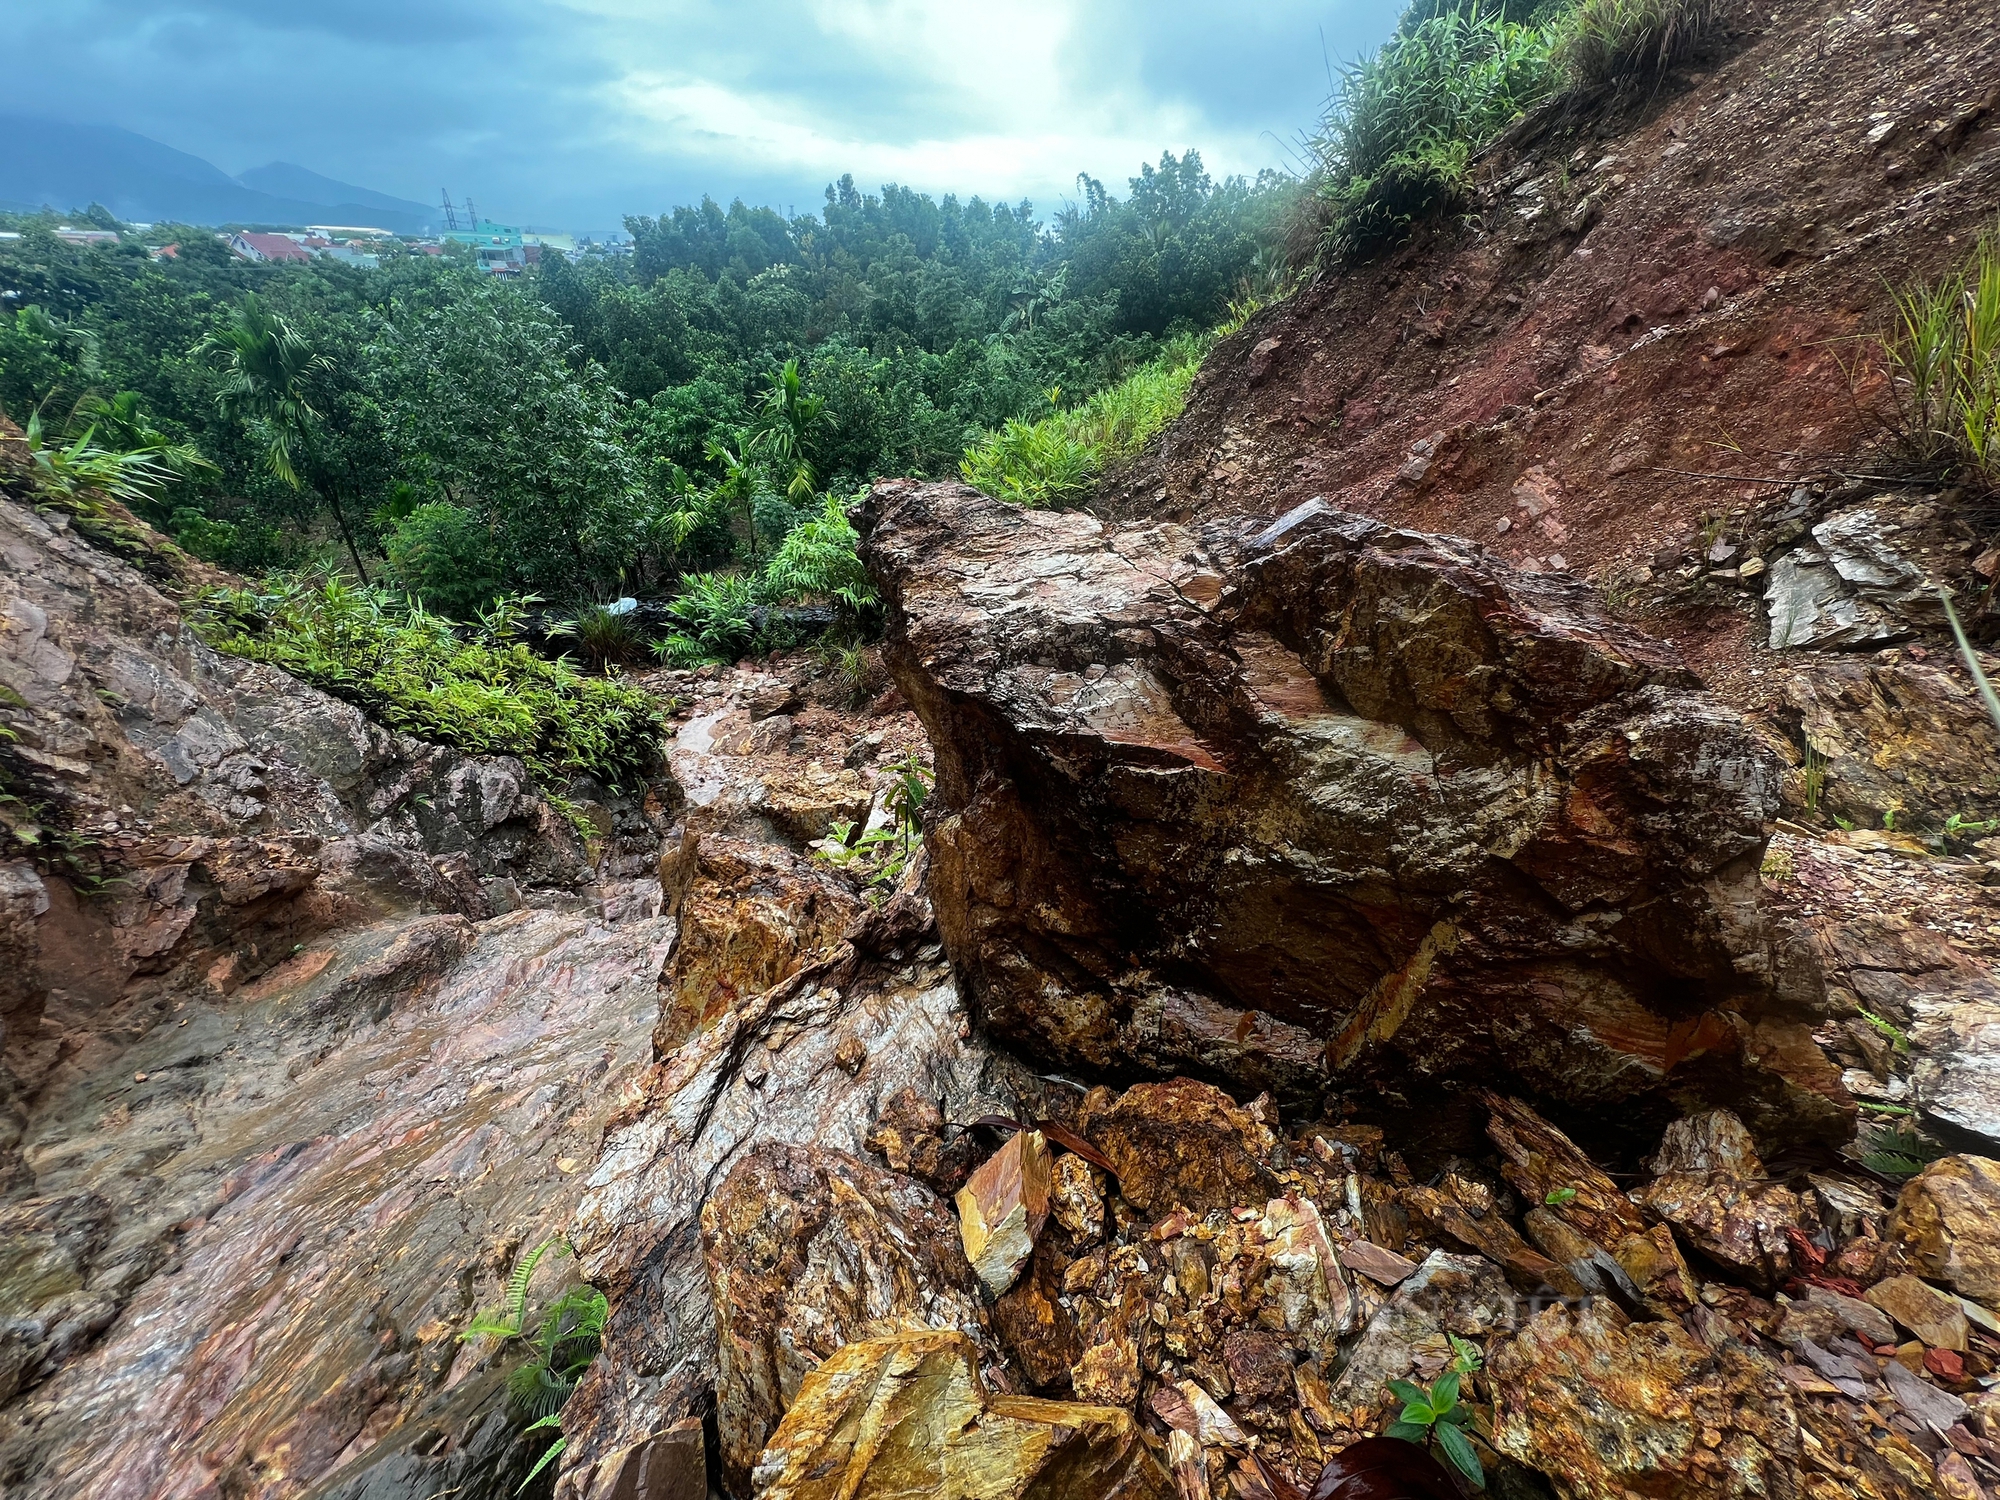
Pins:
x: 444, y: 555
x: 248, y: 545
x: 1399, y: 132
x: 1603, y: 42
x: 713, y: 613
x: 605, y: 635
x: 1036, y: 464
x: 1944, y: 365
x: 817, y: 559
x: 415, y: 673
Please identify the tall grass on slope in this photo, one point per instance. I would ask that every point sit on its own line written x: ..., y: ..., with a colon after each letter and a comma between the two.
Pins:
x: 1944, y: 364
x: 1610, y: 42
x: 1057, y: 460
x: 1396, y: 142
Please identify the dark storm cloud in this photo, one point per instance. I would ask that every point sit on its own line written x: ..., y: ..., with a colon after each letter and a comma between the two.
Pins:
x: 576, y: 113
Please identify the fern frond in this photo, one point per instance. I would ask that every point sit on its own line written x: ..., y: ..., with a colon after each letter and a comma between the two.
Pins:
x: 517, y: 1284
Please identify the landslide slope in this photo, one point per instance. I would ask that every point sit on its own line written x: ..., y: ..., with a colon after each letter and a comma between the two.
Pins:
x: 1642, y: 291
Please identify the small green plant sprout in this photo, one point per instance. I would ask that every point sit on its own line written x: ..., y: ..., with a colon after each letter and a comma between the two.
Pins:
x: 1557, y: 1197
x: 1959, y: 827
x: 1778, y: 865
x: 1466, y: 1356
x: 1889, y: 819
x: 562, y: 1345
x: 1812, y: 776
x: 1434, y: 1419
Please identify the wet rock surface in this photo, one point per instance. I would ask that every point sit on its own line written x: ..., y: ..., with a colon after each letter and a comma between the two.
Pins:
x: 1322, y: 798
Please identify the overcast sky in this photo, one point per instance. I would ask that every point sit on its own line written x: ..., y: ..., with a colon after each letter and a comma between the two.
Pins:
x: 572, y: 113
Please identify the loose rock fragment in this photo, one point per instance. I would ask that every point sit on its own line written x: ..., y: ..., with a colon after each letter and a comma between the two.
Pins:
x: 1928, y: 1313
x: 1606, y: 1407
x: 909, y: 1136
x: 890, y: 1418
x: 1947, y: 1219
x: 1714, y: 1141
x: 1548, y: 1169
x: 809, y: 1249
x: 1078, y: 1198
x: 1377, y: 1264
x: 1740, y: 1226
x: 1182, y: 1144
x: 1002, y: 1207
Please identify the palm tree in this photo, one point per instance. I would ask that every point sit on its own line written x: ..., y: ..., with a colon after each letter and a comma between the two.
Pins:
x: 271, y: 366
x: 791, y: 421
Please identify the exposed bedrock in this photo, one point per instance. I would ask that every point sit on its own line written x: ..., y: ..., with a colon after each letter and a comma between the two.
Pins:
x: 1285, y: 802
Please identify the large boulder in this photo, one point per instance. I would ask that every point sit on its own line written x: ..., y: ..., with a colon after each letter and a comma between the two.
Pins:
x: 1273, y: 802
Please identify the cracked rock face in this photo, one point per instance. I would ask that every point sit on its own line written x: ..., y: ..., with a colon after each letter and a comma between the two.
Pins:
x: 1282, y: 802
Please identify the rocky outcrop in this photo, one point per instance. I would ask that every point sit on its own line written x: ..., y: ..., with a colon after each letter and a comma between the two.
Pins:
x: 808, y: 1062
x: 1325, y: 798
x: 204, y: 814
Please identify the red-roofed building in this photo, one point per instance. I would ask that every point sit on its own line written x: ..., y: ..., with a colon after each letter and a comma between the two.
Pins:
x: 271, y: 247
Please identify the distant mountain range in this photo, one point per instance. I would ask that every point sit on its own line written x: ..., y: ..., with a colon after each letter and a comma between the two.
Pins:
x: 48, y: 163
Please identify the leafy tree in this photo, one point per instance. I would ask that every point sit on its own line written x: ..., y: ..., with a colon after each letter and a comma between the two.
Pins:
x: 789, y: 427
x: 270, y: 369
x: 482, y: 401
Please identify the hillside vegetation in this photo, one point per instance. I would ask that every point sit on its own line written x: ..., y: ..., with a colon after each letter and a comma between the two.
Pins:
x: 615, y: 425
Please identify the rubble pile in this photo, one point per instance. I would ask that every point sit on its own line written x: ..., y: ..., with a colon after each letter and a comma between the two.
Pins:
x: 1245, y: 1294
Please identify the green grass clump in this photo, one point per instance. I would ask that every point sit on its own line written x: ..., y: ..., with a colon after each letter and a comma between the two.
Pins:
x: 1610, y: 42
x: 418, y: 674
x: 1057, y: 460
x: 1396, y: 142
x: 1944, y: 364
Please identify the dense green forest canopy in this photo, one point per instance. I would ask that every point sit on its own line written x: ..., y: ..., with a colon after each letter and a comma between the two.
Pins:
x: 606, y: 426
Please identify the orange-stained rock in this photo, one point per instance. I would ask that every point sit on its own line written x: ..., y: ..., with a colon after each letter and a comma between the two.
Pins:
x: 1372, y: 802
x: 909, y: 1135
x: 1549, y: 1170
x: 1931, y: 1315
x: 1655, y: 1264
x: 806, y: 803
x: 809, y: 1249
x: 1078, y: 1201
x: 1182, y: 1144
x: 1947, y: 1220
x: 1036, y: 1325
x: 886, y: 1419
x: 1739, y: 1226
x: 1457, y: 1213
x: 1714, y: 1141
x: 751, y: 915
x: 1108, y: 1370
x: 1607, y: 1407
x: 1002, y: 1208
